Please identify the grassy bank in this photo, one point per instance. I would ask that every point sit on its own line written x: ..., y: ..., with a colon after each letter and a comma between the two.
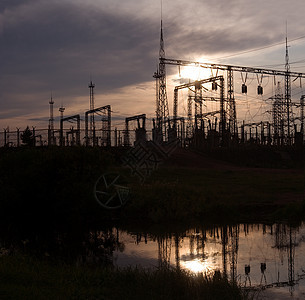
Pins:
x: 54, y: 187
x: 24, y: 277
x: 50, y: 185
x: 241, y: 195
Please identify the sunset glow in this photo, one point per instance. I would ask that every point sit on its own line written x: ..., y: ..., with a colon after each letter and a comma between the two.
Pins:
x: 194, y: 73
x: 196, y: 266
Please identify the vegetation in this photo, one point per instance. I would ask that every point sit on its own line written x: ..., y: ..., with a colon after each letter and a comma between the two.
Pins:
x: 221, y: 195
x: 198, y: 186
x: 54, y: 186
x: 24, y: 277
x: 260, y: 156
x: 27, y: 137
x: 49, y: 185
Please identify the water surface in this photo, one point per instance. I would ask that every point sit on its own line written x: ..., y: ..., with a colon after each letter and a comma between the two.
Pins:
x: 269, y: 259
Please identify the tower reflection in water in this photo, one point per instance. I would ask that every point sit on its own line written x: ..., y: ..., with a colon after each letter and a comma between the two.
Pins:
x: 252, y: 255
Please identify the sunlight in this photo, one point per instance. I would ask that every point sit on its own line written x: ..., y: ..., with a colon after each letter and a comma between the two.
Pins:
x: 194, y: 73
x: 195, y: 266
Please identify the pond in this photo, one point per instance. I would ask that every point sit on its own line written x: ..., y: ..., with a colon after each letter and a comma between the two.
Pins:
x: 267, y: 258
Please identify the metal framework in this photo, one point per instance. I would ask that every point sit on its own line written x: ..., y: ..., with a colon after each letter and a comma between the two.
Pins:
x: 73, y: 134
x: 288, y: 94
x: 162, y: 112
x: 6, y: 136
x: 77, y: 131
x: 91, y: 86
x: 231, y: 107
x: 105, y: 111
x: 198, y: 99
x: 278, y: 109
x: 189, y: 124
x: 302, y: 113
x: 61, y: 110
x: 51, y: 138
x: 231, y: 110
x: 233, y: 250
x: 164, y: 251
x: 178, y: 62
x: 106, y: 126
x: 257, y: 137
x: 140, y: 131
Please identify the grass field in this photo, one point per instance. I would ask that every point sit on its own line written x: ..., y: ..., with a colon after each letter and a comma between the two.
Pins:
x: 23, y: 277
x: 199, y: 186
x: 54, y: 186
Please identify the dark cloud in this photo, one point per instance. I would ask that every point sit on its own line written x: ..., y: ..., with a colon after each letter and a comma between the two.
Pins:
x: 65, y: 40
x: 57, y: 45
x: 218, y: 27
x: 8, y: 4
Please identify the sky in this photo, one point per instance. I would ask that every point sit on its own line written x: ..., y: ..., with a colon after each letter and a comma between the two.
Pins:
x: 56, y: 47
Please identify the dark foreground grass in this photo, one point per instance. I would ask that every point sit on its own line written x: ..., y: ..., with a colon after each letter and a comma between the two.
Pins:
x: 224, y: 195
x: 23, y: 277
x: 54, y: 187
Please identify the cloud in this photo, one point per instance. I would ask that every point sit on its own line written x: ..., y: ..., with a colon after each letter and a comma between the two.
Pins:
x: 215, y: 28
x: 57, y: 45
x: 49, y: 40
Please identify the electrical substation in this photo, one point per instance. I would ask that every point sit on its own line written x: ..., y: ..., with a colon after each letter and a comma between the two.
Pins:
x: 208, y: 116
x: 230, y: 108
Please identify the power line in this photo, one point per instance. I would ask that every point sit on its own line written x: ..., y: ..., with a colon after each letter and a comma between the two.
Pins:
x: 261, y: 48
x: 279, y: 65
x: 297, y: 62
x: 299, y: 67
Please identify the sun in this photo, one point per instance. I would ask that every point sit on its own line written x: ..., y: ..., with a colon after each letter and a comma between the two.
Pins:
x: 193, y: 73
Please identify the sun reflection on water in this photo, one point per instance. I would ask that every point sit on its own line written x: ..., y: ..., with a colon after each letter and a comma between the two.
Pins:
x: 273, y: 253
x: 196, y: 266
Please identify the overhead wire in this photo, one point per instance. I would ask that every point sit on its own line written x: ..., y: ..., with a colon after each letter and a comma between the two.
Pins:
x: 279, y: 65
x: 261, y: 48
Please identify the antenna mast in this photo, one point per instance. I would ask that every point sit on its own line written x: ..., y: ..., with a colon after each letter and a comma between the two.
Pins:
x: 51, y: 122
x: 92, y: 121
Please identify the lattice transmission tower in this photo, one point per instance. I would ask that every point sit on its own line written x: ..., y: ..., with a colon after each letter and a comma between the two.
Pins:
x: 162, y: 113
x: 278, y: 110
x: 91, y: 87
x: 288, y: 94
